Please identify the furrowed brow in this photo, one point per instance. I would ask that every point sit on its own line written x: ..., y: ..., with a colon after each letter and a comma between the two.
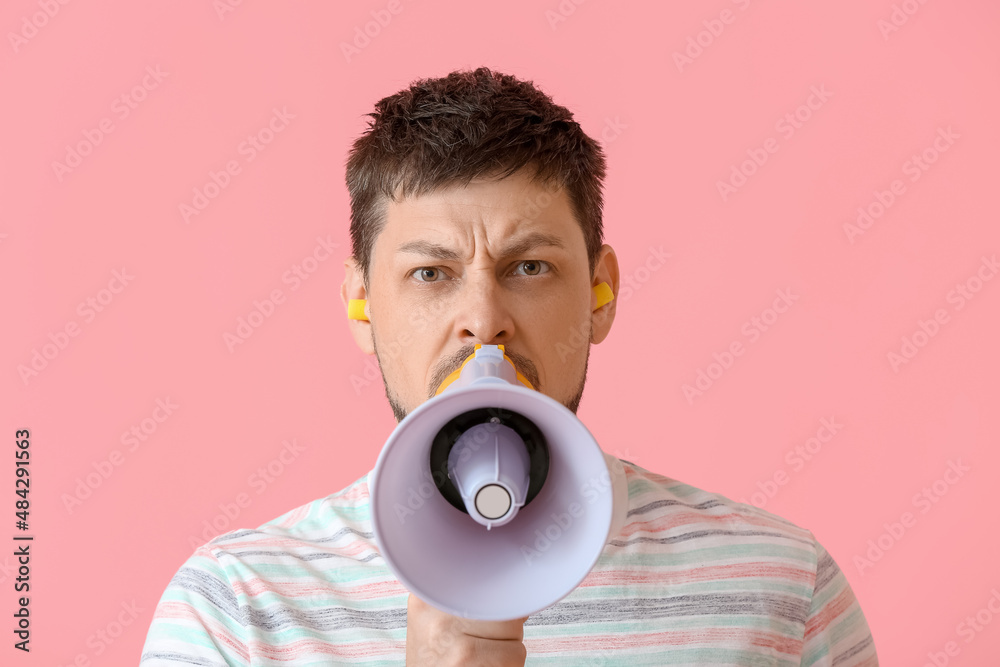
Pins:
x: 519, y: 247
x: 530, y: 242
x: 428, y: 249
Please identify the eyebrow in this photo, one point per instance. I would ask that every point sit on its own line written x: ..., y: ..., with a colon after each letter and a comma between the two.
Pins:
x: 519, y: 247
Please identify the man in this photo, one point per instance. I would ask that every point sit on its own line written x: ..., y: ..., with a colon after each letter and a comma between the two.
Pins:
x: 476, y: 220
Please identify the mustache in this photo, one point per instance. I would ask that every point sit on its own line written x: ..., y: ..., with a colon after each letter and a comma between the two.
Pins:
x: 453, y: 362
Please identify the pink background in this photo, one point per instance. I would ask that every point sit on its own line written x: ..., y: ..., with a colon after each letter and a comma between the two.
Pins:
x: 672, y: 132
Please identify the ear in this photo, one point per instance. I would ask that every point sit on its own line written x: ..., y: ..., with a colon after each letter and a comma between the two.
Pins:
x: 353, y: 287
x: 605, y: 271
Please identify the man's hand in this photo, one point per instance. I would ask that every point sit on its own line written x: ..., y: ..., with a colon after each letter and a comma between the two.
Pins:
x: 437, y: 639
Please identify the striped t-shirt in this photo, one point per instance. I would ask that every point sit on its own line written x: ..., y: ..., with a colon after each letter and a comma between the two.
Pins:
x: 694, y: 578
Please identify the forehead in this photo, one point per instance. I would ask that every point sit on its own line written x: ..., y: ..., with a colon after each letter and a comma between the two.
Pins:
x: 495, y: 209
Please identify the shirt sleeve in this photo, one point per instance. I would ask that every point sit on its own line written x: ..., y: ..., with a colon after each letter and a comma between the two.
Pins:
x: 836, y: 630
x: 198, y: 620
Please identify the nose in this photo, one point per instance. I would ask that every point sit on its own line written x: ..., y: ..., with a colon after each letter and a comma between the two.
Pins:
x: 484, y: 316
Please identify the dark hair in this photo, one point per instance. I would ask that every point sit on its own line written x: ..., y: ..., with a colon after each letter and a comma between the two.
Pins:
x: 466, y: 125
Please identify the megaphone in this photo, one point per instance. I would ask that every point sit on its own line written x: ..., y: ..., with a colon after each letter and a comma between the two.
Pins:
x: 492, y: 501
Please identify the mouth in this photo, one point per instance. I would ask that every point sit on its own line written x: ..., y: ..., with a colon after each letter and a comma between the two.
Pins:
x: 452, y: 363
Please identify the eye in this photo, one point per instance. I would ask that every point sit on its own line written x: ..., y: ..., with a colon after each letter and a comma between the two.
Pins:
x: 428, y: 274
x: 534, y: 267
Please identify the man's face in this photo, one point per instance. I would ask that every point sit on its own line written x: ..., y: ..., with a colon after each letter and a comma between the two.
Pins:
x: 495, y: 262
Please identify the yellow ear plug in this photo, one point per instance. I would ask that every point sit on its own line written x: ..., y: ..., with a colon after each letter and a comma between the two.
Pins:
x: 604, y: 295
x: 356, y: 310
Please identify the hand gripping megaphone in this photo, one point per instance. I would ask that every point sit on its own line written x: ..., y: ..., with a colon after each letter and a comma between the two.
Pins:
x: 492, y: 501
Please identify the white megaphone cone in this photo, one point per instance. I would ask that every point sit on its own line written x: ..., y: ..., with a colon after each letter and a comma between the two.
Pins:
x: 492, y: 501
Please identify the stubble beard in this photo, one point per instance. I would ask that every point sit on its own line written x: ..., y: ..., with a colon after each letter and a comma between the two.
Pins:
x: 400, y: 412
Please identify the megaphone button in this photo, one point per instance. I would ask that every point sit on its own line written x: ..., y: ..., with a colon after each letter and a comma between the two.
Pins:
x: 493, y: 501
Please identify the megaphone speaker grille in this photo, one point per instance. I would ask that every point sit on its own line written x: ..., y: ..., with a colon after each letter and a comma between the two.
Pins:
x: 530, y: 434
